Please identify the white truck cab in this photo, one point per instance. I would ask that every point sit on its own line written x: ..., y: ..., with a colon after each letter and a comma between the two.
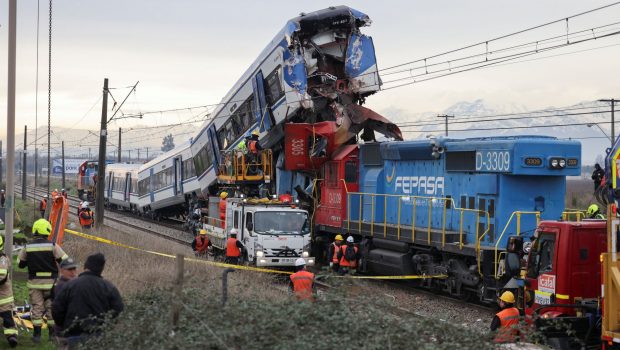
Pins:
x: 274, y: 234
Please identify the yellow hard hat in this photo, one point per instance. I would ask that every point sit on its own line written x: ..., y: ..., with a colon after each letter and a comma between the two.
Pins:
x: 255, y: 133
x: 592, y: 209
x: 42, y: 227
x: 223, y: 195
x: 203, y: 232
x: 339, y: 238
x: 507, y: 297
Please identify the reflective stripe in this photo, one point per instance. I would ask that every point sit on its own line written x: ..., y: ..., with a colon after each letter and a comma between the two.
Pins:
x: 39, y: 249
x: 64, y: 257
x: 36, y: 245
x: 39, y: 286
x: 43, y: 274
x: 562, y: 296
x: 50, y: 322
x: 3, y: 272
x: 7, y: 300
x: 10, y: 331
x: 37, y: 322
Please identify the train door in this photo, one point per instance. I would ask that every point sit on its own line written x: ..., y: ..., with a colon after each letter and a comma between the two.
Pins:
x: 215, y: 146
x: 127, y: 187
x: 178, y: 176
x: 486, y: 204
x: 261, y: 111
x: 110, y: 184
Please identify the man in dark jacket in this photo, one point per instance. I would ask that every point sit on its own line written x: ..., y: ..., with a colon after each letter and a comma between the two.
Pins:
x: 597, y: 176
x: 83, y: 302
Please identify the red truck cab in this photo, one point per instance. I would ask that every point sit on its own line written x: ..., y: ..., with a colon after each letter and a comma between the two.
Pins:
x: 564, y: 264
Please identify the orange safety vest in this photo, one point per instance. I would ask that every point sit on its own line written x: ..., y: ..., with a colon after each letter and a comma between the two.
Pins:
x: 202, y: 243
x: 86, y: 217
x: 54, y: 194
x: 43, y: 205
x: 336, y: 249
x: 509, y: 320
x: 223, y: 212
x: 345, y: 262
x: 302, y: 284
x: 252, y: 146
x: 231, y: 248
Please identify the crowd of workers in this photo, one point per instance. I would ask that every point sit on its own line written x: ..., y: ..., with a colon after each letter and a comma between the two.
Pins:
x: 71, y: 305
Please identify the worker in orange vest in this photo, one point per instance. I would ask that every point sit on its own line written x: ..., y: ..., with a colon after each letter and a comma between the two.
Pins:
x: 252, y: 156
x: 348, y: 256
x: 223, y: 196
x: 201, y: 244
x: 43, y: 206
x: 332, y: 253
x: 54, y: 193
x: 506, y: 322
x: 87, y: 217
x: 63, y: 193
x: 302, y: 281
x: 233, y: 248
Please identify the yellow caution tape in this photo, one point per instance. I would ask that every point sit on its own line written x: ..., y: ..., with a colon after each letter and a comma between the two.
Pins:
x: 241, y: 267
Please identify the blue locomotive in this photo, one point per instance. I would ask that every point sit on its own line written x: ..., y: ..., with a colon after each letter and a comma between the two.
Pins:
x: 446, y: 206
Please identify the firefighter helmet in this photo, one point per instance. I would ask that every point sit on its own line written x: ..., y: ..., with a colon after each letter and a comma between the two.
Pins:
x: 42, y: 227
x: 592, y: 209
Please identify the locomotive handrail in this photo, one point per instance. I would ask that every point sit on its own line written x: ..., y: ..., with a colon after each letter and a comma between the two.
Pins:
x: 578, y: 213
x: 499, y: 239
x: 399, y: 211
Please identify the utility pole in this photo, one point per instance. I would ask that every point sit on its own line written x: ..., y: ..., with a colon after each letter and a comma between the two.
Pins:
x: 445, y: 116
x: 63, y: 164
x: 147, y: 154
x: 36, y: 165
x: 129, y: 152
x: 10, y: 131
x: 120, y: 132
x: 613, y: 120
x: 103, y: 133
x: 24, y: 163
x: 138, y: 155
x: 88, y: 153
x: 1, y: 159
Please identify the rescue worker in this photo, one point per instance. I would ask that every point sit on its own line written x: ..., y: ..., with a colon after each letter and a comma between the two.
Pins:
x: 594, y: 212
x: 87, y: 217
x: 347, y: 256
x: 41, y: 257
x: 233, y: 248
x: 597, y: 176
x: 201, y: 244
x: 253, y: 153
x: 6, y: 298
x: 63, y: 193
x: 332, y: 253
x: 2, y: 198
x: 506, y: 321
x: 55, y: 193
x: 223, y: 196
x: 43, y: 206
x: 302, y: 281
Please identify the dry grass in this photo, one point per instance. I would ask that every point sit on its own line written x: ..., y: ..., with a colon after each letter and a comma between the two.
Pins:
x: 579, y: 194
x: 134, y: 271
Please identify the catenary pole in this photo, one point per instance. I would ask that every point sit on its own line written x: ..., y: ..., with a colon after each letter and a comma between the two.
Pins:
x: 103, y: 133
x: 24, y: 163
x: 10, y: 130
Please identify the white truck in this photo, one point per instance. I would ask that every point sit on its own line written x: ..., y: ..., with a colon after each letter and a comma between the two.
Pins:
x: 273, y: 234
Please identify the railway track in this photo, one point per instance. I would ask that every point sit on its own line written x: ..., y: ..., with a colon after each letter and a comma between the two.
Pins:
x: 111, y: 215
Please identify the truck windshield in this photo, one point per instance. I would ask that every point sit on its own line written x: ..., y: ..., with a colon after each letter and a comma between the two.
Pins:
x: 541, y: 255
x: 281, y: 223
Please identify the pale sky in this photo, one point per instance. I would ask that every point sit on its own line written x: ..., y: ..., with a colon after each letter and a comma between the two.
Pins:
x: 189, y: 53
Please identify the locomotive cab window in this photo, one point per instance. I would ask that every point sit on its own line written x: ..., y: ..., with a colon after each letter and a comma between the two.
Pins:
x: 274, y: 87
x: 542, y: 255
x: 350, y: 172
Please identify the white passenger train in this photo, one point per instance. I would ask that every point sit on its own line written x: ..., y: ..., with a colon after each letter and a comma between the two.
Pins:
x: 121, y: 186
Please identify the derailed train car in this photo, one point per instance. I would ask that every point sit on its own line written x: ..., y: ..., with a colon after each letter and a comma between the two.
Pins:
x: 446, y: 206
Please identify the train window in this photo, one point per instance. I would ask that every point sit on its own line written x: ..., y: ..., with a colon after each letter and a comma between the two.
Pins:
x: 143, y: 187
x: 331, y: 177
x: 350, y: 172
x: 448, y: 202
x: 188, y: 169
x: 491, y: 208
x: 482, y: 206
x: 133, y: 187
x: 236, y: 220
x: 472, y: 203
x: 274, y: 87
x: 463, y: 202
x: 204, y: 159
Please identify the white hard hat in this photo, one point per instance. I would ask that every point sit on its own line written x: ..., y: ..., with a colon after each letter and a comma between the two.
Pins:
x: 300, y: 262
x: 233, y: 231
x: 350, y: 239
x: 84, y: 205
